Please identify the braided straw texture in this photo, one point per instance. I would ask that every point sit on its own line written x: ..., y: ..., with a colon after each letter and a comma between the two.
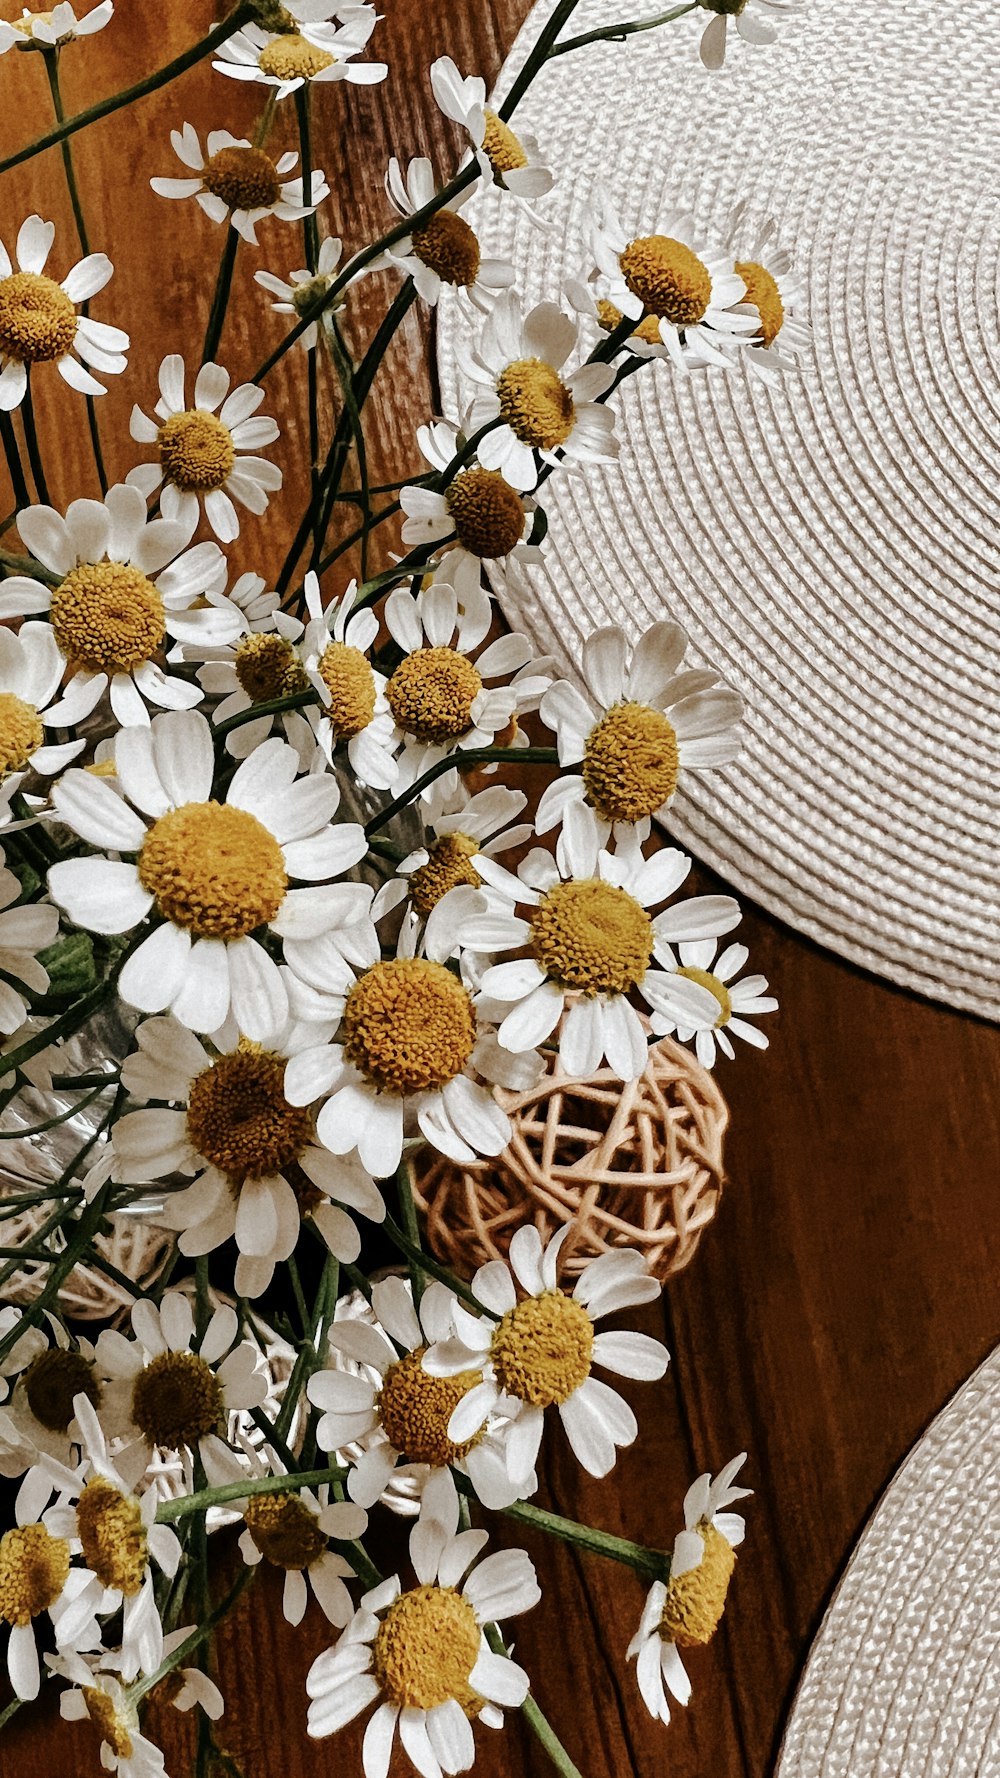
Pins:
x: 904, y: 1677
x: 636, y: 1165
x: 830, y: 546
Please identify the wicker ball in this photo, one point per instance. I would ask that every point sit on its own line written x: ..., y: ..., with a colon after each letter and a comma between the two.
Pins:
x: 636, y: 1165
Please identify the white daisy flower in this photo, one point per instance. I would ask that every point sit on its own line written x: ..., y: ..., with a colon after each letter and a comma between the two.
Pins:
x: 301, y: 289
x: 127, y: 584
x: 411, y: 1055
x: 539, y: 1352
x: 256, y: 1167
x: 240, y: 182
x: 96, y: 1694
x: 684, y: 1611
x: 316, y: 52
x: 39, y: 323
x: 543, y: 416
x: 639, y: 721
x: 774, y: 294
x: 589, y: 297
x: 422, y: 1655
x: 202, y: 454
x: 588, y: 942
x: 355, y: 713
x: 212, y: 873
x: 395, y: 1409
x: 445, y: 249
x: 36, y: 1577
x: 506, y: 159
x: 459, y: 826
x: 259, y: 664
x: 46, y: 30
x: 31, y: 670
x: 24, y: 931
x: 755, y: 21
x: 692, y: 291
x: 477, y: 518
x: 39, y: 1416
x: 736, y: 1000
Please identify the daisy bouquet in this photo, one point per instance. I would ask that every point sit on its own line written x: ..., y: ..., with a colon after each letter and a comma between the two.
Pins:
x: 267, y: 868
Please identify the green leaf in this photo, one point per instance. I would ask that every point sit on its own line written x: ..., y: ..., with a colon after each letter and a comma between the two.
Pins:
x: 70, y: 963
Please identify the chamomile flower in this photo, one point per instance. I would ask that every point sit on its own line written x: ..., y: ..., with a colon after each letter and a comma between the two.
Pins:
x: 39, y: 1416
x: 755, y: 21
x: 394, y: 1408
x: 506, y: 159
x: 127, y: 584
x: 443, y: 250
x: 202, y: 453
x: 736, y: 1000
x: 212, y: 873
x: 261, y: 663
x: 459, y: 826
x: 422, y: 1656
x: 693, y: 291
x: 587, y: 942
x: 31, y: 670
x: 477, y: 517
x: 775, y: 296
x: 639, y: 722
x: 24, y: 931
x: 684, y: 1611
x: 301, y: 289
x: 219, y: 1113
x: 95, y: 1693
x: 355, y: 713
x: 36, y: 1579
x: 240, y: 182
x: 47, y: 30
x: 287, y: 60
x: 39, y: 323
x: 543, y: 416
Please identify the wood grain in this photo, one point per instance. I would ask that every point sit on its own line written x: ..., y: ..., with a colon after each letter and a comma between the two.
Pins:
x: 849, y: 1284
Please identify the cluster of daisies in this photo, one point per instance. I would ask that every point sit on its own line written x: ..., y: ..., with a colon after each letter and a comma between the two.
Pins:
x: 265, y: 831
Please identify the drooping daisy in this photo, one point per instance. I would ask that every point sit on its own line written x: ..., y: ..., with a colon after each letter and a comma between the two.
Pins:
x: 423, y: 1657
x: 693, y: 291
x: 588, y: 941
x: 240, y: 182
x: 459, y: 827
x: 303, y: 288
x: 478, y: 517
x: 506, y: 159
x: 36, y: 1578
x: 31, y: 670
x: 24, y: 931
x: 39, y: 1416
x: 39, y: 323
x: 684, y: 1611
x: 355, y: 713
x: 445, y: 249
x: 544, y: 416
x: 213, y: 873
x: 288, y: 59
x: 397, y: 1410
x: 775, y: 295
x: 755, y: 21
x: 541, y: 1351
x: 127, y: 584
x: 257, y: 1168
x: 736, y: 1000
x: 95, y: 1693
x: 202, y: 460
x: 588, y: 297
x: 640, y: 720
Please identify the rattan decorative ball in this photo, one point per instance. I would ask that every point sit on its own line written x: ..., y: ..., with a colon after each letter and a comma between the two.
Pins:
x: 633, y: 1165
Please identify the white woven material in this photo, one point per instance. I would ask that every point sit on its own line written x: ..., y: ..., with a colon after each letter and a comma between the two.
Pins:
x: 831, y: 547
x: 904, y: 1678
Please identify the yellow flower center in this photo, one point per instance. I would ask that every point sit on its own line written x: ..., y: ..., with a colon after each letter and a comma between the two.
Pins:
x: 415, y: 1409
x: 20, y: 733
x: 213, y: 869
x: 630, y: 763
x: 696, y: 1600
x: 501, y: 146
x: 285, y: 1530
x: 34, y: 1567
x: 432, y: 692
x: 239, y: 1120
x: 112, y: 1536
x: 592, y: 937
x: 107, y: 617
x: 351, y: 683
x: 52, y: 1380
x: 409, y: 1025
x: 293, y: 57
x: 37, y: 318
x: 177, y: 1400
x: 648, y: 329
x: 449, y: 865
x: 111, y: 1727
x: 668, y: 279
x: 542, y: 1349
x: 449, y: 247
x: 763, y: 292
x: 196, y: 451
x: 267, y: 666
x: 706, y: 979
x: 244, y: 178
x: 535, y: 403
x: 487, y: 514
x: 425, y: 1649
x: 304, y: 295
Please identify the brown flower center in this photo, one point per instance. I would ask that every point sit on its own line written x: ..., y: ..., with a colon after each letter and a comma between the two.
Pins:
x: 647, y: 330
x: 107, y: 617
x: 449, y: 865
x: 449, y: 247
x: 111, y: 1727
x: 501, y: 146
x: 177, y: 1400
x: 267, y: 667
x: 415, y: 1409
x: 244, y: 178
x: 293, y: 57
x: 52, y: 1380
x: 285, y: 1530
x: 409, y: 1025
x: 34, y: 1567
x: 432, y: 692
x: 196, y: 451
x: 763, y: 292
x: 239, y: 1119
x: 696, y: 1600
x: 112, y: 1536
x: 535, y: 403
x: 214, y: 869
x: 487, y: 514
x: 37, y: 318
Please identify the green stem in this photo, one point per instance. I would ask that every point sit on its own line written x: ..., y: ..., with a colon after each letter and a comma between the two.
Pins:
x: 86, y: 1229
x: 62, y: 1118
x: 539, y: 1725
x: 180, y: 1656
x: 624, y: 28
x: 64, y: 1026
x: 171, y: 1510
x: 15, y: 470
x: 462, y: 762
x: 417, y: 1257
x: 411, y: 1228
x: 52, y: 70
x: 649, y: 1563
x: 220, y: 301
x: 272, y: 707
x: 540, y: 54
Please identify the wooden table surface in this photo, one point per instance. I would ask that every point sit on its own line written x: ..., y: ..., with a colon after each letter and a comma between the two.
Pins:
x: 849, y: 1284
